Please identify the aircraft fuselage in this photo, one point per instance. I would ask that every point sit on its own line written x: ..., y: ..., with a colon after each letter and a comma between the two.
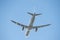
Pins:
x: 31, y: 22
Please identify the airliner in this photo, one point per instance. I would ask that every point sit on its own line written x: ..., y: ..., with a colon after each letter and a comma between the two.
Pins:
x: 31, y: 24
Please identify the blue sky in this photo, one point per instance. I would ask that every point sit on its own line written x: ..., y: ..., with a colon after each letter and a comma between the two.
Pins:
x: 17, y: 10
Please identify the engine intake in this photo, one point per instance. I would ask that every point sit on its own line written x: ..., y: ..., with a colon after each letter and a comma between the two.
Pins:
x: 36, y: 29
x: 22, y: 28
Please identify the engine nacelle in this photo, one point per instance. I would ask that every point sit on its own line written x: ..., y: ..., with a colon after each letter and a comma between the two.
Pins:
x: 36, y: 29
x: 22, y: 28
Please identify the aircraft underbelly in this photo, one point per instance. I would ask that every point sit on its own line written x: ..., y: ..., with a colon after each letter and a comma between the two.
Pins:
x: 30, y: 28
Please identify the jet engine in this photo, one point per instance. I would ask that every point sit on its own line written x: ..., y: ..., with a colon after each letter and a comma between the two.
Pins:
x: 22, y: 28
x: 36, y: 29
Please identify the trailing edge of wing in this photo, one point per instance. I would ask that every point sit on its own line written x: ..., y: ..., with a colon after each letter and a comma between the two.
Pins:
x: 41, y: 26
x: 19, y: 24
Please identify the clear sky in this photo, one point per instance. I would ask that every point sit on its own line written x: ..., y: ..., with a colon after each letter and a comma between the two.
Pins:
x: 17, y: 10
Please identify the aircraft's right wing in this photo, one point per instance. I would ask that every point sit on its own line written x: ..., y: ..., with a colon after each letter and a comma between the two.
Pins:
x: 41, y: 26
x: 19, y: 24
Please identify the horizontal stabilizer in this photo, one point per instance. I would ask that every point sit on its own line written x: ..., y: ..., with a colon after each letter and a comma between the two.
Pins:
x: 34, y: 14
x: 30, y: 13
x: 37, y: 14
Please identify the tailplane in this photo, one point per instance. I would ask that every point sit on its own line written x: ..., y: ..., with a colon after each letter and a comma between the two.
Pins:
x: 34, y: 14
x: 37, y: 14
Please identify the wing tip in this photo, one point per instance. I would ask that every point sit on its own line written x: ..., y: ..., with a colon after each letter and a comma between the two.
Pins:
x: 49, y: 24
x: 12, y: 21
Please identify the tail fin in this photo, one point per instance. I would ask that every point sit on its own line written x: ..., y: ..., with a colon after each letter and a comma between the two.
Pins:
x: 33, y: 14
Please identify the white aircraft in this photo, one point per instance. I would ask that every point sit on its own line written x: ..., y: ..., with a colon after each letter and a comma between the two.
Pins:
x: 31, y: 24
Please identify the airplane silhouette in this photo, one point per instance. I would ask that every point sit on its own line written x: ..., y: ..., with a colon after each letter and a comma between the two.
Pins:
x: 31, y: 24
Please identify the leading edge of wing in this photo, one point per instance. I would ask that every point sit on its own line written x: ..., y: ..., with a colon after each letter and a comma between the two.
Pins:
x: 19, y: 24
x: 41, y: 26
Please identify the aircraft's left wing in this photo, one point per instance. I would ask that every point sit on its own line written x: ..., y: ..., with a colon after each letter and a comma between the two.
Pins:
x: 19, y: 24
x: 41, y: 26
